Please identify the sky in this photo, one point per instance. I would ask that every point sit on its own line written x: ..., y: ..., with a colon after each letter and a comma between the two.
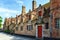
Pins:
x: 12, y: 8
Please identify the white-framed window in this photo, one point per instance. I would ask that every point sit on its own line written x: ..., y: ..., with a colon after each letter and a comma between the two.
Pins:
x: 57, y: 23
x: 29, y: 27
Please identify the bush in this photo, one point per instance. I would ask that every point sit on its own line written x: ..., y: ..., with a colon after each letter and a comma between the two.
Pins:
x: 8, y: 31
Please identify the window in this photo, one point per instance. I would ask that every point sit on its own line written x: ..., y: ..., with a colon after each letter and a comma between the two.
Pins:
x: 16, y: 28
x: 21, y: 28
x: 8, y: 27
x: 30, y: 27
x: 46, y: 25
x: 57, y: 23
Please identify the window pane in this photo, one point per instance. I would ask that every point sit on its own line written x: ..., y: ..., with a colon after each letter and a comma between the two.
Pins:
x: 46, y: 25
x: 29, y: 27
x: 21, y: 28
x: 16, y: 28
x: 57, y: 23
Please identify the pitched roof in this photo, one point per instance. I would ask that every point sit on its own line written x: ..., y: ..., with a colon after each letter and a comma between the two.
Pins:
x: 47, y: 5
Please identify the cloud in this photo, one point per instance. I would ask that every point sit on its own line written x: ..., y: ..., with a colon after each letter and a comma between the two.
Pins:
x: 20, y: 2
x: 7, y: 14
x: 8, y: 10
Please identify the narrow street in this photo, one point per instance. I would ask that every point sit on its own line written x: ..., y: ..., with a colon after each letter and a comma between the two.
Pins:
x: 4, y: 36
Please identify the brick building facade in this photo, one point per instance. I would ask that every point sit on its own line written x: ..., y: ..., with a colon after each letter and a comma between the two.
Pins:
x: 25, y: 23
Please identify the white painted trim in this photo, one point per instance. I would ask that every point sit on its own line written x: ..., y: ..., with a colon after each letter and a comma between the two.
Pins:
x: 36, y: 31
x: 42, y: 30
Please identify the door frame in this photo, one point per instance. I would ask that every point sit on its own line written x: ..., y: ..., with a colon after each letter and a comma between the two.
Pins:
x: 37, y: 30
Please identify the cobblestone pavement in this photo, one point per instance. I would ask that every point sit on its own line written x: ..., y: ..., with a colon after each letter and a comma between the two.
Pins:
x: 4, y: 36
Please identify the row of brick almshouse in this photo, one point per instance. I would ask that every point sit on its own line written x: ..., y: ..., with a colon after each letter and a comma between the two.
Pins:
x: 25, y: 23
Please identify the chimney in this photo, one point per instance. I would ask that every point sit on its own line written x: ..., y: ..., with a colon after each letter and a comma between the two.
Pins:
x: 23, y: 10
x: 34, y: 5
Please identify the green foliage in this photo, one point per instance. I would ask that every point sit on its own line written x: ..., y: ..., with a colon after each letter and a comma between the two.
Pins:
x: 0, y: 25
x: 8, y: 31
x: 0, y: 21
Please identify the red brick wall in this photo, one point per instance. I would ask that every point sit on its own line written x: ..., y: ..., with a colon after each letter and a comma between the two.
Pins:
x: 55, y: 4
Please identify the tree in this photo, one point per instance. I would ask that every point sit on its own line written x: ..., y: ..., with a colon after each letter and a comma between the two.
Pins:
x: 0, y: 21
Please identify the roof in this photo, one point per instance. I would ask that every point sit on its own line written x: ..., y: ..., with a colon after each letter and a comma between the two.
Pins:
x: 47, y: 5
